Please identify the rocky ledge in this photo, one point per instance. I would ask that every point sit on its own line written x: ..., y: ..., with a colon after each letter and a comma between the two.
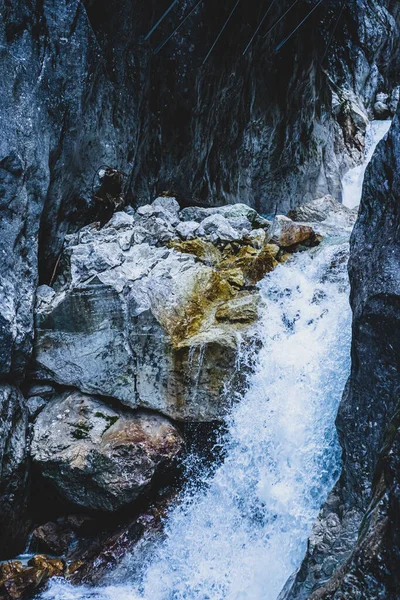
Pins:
x: 152, y: 308
x: 141, y: 330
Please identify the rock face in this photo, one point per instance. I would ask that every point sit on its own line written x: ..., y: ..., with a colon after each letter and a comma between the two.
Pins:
x: 156, y: 321
x: 324, y: 210
x: 98, y: 457
x: 77, y: 106
x: 14, y: 471
x: 355, y: 545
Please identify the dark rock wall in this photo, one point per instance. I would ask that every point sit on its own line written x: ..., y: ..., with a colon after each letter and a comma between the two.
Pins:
x: 14, y: 471
x: 79, y: 89
x: 358, y: 530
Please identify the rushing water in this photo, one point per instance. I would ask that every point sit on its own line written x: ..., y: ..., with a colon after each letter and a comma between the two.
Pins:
x: 240, y: 536
x: 353, y: 180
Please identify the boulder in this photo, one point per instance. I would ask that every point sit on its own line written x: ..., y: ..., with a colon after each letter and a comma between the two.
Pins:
x: 136, y: 321
x: 14, y: 471
x: 218, y: 229
x: 325, y: 209
x: 99, y: 457
x: 187, y: 229
x: 230, y: 211
x: 167, y: 204
x: 285, y: 233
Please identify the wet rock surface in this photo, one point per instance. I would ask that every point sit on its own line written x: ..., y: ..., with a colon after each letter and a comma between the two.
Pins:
x: 22, y: 581
x: 101, y: 458
x: 151, y: 309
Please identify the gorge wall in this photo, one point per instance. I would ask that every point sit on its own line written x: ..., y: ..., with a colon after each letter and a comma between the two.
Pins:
x: 354, y: 551
x: 80, y: 89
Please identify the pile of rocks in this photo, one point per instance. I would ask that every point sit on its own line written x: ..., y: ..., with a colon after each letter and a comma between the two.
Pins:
x: 151, y: 309
x: 141, y: 329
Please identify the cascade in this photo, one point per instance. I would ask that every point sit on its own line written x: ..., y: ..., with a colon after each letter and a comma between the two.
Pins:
x: 242, y: 531
x: 353, y: 180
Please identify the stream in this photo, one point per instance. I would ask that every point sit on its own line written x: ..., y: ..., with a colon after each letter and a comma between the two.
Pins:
x: 243, y: 532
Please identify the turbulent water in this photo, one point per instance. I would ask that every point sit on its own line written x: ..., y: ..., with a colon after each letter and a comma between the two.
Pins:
x: 353, y: 180
x: 243, y: 530
x: 241, y: 536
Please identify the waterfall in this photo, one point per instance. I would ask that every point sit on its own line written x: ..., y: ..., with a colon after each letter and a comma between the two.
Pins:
x: 243, y: 534
x: 243, y: 530
x: 353, y: 180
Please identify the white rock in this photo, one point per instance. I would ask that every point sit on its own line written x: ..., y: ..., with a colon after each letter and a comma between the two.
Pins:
x: 218, y: 228
x: 168, y: 204
x: 187, y: 229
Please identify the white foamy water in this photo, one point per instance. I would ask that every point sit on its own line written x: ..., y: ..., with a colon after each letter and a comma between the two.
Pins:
x: 353, y: 180
x: 242, y: 536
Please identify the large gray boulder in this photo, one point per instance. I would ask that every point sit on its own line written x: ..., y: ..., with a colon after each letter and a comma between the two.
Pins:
x: 136, y: 320
x: 14, y: 471
x: 99, y: 457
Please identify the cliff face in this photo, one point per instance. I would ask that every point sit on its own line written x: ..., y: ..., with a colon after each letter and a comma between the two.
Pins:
x: 355, y: 544
x: 81, y: 89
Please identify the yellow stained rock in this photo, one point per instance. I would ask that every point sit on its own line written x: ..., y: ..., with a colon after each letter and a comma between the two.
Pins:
x: 204, y: 250
x: 242, y: 309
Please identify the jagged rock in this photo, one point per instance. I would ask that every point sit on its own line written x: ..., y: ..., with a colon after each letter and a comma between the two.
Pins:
x: 256, y: 238
x: 126, y: 318
x: 98, y: 457
x: 239, y: 213
x: 21, y: 581
x: 14, y: 471
x: 168, y: 204
x: 285, y: 233
x: 325, y: 209
x: 187, y: 229
x: 218, y: 229
x: 159, y: 211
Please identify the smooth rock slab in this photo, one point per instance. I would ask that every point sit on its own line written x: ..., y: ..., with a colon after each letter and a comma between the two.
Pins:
x: 98, y: 457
